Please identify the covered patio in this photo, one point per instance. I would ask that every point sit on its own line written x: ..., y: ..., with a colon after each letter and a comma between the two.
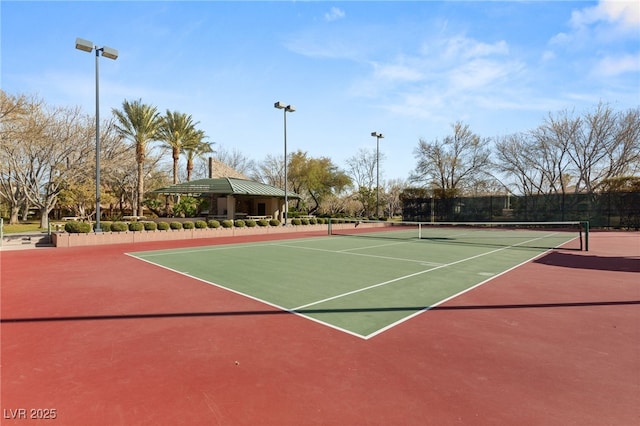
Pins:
x: 233, y: 198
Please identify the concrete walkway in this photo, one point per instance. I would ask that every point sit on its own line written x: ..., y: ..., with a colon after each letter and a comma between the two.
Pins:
x: 26, y: 240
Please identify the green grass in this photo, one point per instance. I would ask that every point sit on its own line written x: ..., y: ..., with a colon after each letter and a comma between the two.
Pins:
x: 21, y: 227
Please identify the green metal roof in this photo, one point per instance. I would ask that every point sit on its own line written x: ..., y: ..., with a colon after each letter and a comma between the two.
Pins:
x: 225, y: 186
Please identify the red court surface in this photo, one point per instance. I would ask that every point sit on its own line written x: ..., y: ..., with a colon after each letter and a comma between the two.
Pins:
x: 92, y: 336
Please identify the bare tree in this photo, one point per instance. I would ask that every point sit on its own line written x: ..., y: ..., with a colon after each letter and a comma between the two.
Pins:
x: 13, y: 112
x: 363, y: 170
x: 606, y: 146
x: 238, y: 161
x: 573, y: 154
x: 271, y: 171
x: 515, y: 158
x: 47, y: 148
x: 392, y: 192
x: 453, y: 163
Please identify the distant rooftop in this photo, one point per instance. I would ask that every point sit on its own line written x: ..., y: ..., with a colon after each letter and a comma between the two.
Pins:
x: 225, y: 186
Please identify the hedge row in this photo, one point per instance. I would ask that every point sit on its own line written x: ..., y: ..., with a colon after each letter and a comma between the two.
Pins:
x: 75, y: 227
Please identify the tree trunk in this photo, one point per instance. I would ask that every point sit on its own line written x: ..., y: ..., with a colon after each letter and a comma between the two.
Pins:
x: 15, y: 211
x: 140, y: 189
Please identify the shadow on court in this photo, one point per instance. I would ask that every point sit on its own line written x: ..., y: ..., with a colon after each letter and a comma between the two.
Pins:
x: 316, y: 311
x: 601, y: 263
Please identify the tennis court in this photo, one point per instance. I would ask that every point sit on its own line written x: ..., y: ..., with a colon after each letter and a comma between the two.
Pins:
x: 96, y: 336
x: 368, y: 276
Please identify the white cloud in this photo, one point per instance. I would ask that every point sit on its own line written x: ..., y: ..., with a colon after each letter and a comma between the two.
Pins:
x: 397, y: 72
x: 334, y: 14
x: 624, y: 12
x: 479, y: 74
x: 463, y: 47
x: 612, y: 66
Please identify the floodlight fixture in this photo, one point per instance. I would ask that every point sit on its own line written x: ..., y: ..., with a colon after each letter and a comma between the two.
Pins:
x: 109, y: 52
x: 282, y: 105
x: 84, y: 45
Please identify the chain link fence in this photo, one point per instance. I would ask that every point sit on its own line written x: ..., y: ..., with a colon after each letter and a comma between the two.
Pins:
x: 616, y: 210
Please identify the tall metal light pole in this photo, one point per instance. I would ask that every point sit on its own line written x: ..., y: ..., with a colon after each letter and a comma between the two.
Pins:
x: 286, y: 108
x: 107, y: 52
x: 378, y: 136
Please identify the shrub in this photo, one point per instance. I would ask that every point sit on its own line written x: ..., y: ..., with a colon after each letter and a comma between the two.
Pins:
x: 136, y: 226
x: 119, y: 227
x: 105, y: 226
x: 175, y: 225
x: 187, y: 207
x: 250, y: 223
x: 313, y: 221
x: 274, y: 222
x: 227, y: 223
x: 320, y: 220
x: 163, y: 226
x: 213, y: 224
x: 239, y: 223
x: 296, y: 221
x: 150, y: 226
x: 201, y: 224
x: 188, y: 225
x: 75, y: 227
x: 305, y: 221
x: 263, y: 222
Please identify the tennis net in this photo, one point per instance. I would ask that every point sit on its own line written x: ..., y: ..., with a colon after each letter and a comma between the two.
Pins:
x: 539, y: 235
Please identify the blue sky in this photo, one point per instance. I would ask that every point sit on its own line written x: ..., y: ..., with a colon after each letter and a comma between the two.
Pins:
x: 405, y: 69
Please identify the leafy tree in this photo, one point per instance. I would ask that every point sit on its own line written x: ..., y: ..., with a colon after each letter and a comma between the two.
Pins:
x: 177, y: 131
x: 315, y: 178
x: 140, y: 124
x: 196, y: 147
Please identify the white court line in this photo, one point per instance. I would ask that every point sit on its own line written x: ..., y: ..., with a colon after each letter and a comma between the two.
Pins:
x: 416, y: 274
x: 453, y: 296
x: 171, y: 252
x: 257, y: 299
x: 335, y: 327
x: 400, y: 259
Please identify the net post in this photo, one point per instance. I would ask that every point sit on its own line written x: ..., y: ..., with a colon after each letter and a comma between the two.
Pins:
x: 586, y: 235
x: 419, y: 230
x: 329, y: 227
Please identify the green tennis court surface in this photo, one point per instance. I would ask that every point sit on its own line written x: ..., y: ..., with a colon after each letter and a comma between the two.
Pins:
x: 365, y: 283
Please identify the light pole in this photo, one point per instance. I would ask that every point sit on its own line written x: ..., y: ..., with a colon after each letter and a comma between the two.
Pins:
x: 107, y: 52
x: 286, y: 108
x: 378, y: 136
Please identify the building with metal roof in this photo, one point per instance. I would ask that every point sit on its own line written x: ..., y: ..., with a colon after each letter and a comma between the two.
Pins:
x: 233, y: 198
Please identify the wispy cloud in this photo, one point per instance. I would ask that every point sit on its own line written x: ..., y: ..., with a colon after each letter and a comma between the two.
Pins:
x: 622, y: 12
x: 613, y: 66
x: 334, y: 14
x: 446, y: 73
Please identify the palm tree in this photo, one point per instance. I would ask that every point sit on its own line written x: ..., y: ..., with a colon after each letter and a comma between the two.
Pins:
x: 196, y: 147
x: 139, y: 123
x: 177, y: 131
